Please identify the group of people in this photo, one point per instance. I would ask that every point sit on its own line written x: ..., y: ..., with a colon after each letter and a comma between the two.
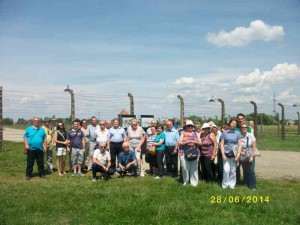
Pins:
x: 204, y: 152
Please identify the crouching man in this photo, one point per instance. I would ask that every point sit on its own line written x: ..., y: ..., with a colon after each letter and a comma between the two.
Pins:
x: 127, y: 161
x: 101, y: 163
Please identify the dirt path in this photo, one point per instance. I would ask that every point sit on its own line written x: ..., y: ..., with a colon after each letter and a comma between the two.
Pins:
x: 271, y: 164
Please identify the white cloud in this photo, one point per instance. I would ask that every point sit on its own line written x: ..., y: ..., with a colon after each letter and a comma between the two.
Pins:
x: 286, y: 97
x: 240, y: 36
x: 258, y: 81
x: 247, y: 98
x: 185, y: 80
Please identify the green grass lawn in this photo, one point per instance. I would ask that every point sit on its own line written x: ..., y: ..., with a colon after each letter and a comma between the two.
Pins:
x: 76, y: 200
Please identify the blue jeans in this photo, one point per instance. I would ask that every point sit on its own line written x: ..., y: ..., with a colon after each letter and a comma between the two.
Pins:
x: 133, y: 168
x: 249, y: 174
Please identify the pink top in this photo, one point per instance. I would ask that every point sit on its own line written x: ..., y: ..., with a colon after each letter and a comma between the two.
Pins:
x: 207, y: 147
x: 187, y: 136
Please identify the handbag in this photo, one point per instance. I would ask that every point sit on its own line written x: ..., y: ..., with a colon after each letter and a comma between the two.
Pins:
x: 246, y: 157
x: 191, y: 154
x: 233, y: 152
x: 152, y: 150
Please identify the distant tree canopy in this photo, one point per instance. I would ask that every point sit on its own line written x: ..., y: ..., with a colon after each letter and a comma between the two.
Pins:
x: 8, y: 121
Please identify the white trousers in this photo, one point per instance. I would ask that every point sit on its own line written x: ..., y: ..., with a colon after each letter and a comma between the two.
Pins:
x: 229, y: 173
x: 189, y: 171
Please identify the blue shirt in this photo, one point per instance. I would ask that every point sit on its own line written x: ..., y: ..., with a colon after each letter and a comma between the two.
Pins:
x: 116, y: 134
x: 157, y: 138
x: 91, y: 131
x: 35, y: 138
x: 125, y: 158
x: 230, y: 138
x: 172, y: 137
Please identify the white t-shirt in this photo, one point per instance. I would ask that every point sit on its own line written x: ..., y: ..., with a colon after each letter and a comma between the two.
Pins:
x: 250, y: 138
x: 101, y: 136
x: 102, y: 158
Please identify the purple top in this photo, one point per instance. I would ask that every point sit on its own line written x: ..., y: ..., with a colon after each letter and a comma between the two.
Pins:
x: 207, y: 147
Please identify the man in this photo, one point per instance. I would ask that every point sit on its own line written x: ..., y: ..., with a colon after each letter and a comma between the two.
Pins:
x: 75, y: 137
x: 108, y: 124
x: 171, y: 152
x: 251, y: 124
x: 127, y: 161
x: 35, y: 147
x: 91, y: 132
x: 116, y: 137
x: 49, y: 143
x: 153, y: 124
x: 241, y: 118
x: 101, y: 135
x: 101, y: 163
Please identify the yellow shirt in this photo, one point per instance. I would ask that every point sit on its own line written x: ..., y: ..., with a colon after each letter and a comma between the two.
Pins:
x: 49, y: 133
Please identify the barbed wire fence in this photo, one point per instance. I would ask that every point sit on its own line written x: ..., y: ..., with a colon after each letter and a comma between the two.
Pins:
x: 27, y: 104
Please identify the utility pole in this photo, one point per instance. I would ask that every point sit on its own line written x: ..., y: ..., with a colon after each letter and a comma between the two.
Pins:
x: 222, y: 109
x: 181, y: 109
x: 255, y: 118
x: 1, y: 121
x: 72, y: 103
x: 131, y: 103
x: 261, y: 123
x: 277, y: 115
x: 282, y: 122
x: 298, y: 123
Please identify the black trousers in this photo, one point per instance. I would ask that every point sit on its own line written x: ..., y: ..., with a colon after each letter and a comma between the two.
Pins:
x: 115, y: 149
x: 207, y: 168
x: 171, y: 161
x: 220, y: 167
x: 96, y: 168
x: 37, y: 155
x: 160, y: 162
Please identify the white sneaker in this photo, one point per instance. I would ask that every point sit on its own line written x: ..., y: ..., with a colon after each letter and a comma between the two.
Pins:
x: 184, y: 183
x: 142, y: 174
x: 94, y: 180
x: 157, y: 177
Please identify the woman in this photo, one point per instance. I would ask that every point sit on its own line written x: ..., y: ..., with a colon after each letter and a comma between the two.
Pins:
x: 208, y: 152
x: 188, y: 142
x: 84, y: 125
x: 159, y: 143
x: 151, y: 158
x: 231, y: 149
x: 60, y: 138
x: 248, y: 153
x: 135, y: 138
x: 218, y: 161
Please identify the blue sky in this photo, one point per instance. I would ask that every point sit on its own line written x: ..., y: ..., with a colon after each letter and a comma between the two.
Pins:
x: 235, y: 50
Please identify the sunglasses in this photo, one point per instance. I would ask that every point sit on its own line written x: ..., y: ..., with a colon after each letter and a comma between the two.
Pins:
x: 244, y: 127
x: 190, y: 126
x: 102, y: 124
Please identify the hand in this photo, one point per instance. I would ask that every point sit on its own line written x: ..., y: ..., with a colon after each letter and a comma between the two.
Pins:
x: 68, y: 149
x: 138, y: 149
x: 122, y: 168
x: 224, y: 158
x: 243, y: 153
x: 237, y: 158
x: 27, y: 146
x: 251, y: 158
x: 175, y: 151
x: 212, y: 157
x: 128, y: 166
x: 106, y: 169
x: 83, y: 149
x: 45, y: 149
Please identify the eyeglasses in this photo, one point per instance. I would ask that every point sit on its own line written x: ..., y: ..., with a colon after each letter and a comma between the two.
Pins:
x: 244, y: 127
x: 190, y: 126
x: 102, y: 124
x: 134, y: 124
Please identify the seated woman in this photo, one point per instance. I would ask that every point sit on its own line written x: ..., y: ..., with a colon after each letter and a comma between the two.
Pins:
x: 101, y: 163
